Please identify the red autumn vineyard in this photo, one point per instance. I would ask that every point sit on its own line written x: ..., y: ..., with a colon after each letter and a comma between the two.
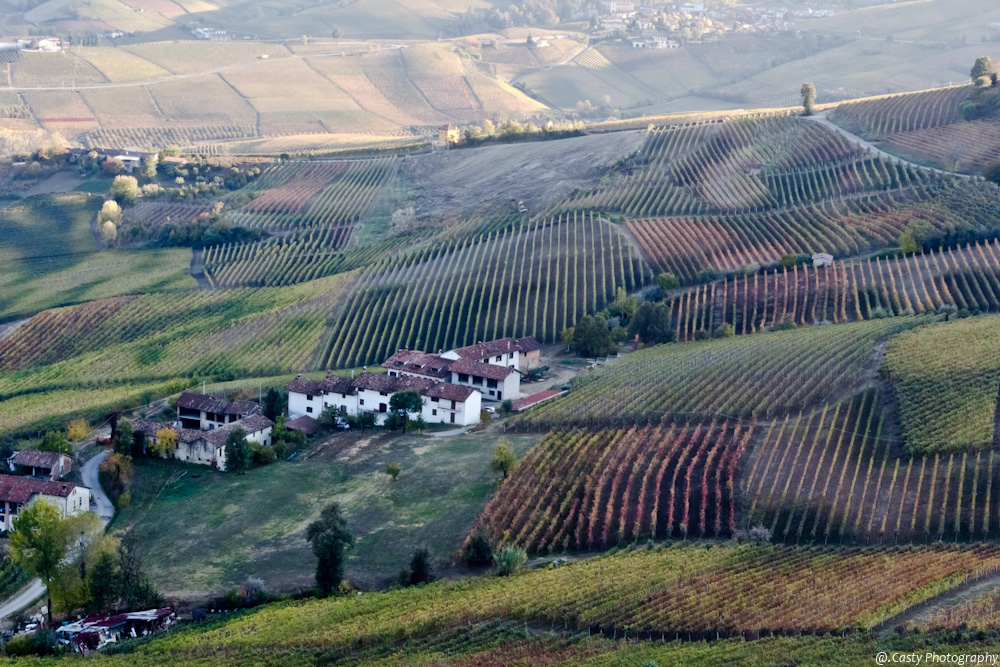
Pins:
x: 582, y: 490
x: 731, y: 243
x: 966, y: 278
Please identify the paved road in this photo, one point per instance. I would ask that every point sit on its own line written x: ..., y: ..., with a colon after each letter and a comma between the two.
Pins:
x: 822, y: 120
x: 102, y: 507
x: 91, y: 479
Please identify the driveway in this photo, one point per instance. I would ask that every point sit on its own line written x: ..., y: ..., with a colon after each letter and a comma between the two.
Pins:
x: 91, y: 479
x: 102, y: 507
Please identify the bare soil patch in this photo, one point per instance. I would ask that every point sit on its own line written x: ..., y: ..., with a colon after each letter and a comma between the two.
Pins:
x: 537, y: 173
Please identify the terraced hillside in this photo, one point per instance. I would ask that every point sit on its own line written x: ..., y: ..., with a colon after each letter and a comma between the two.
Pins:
x: 951, y: 128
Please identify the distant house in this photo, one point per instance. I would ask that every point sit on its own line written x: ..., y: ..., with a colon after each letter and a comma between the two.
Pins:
x: 822, y: 259
x: 207, y: 447
x: 203, y: 412
x: 212, y: 34
x: 31, y: 462
x: 18, y: 492
x: 442, y: 402
x: 617, y: 6
x: 449, y: 134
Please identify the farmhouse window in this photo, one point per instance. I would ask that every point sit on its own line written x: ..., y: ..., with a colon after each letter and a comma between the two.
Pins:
x: 382, y: 407
x: 309, y: 409
x: 434, y: 413
x: 361, y: 402
x: 453, y: 405
x: 309, y: 397
x: 343, y: 409
x: 462, y: 377
x: 343, y: 395
x: 499, y: 357
x: 382, y: 393
x: 491, y: 383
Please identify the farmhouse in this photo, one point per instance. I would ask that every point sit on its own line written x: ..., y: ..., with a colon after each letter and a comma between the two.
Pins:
x: 207, y: 446
x: 449, y: 134
x: 494, y: 368
x: 442, y: 402
x: 203, y: 412
x: 18, y: 492
x: 48, y: 465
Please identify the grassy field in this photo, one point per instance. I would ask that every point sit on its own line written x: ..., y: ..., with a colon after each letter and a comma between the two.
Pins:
x: 257, y: 521
x: 51, y: 258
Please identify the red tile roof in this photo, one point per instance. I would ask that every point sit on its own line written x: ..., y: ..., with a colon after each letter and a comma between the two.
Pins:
x: 32, y: 458
x: 414, y: 361
x: 450, y: 392
x: 21, y: 489
x: 535, y: 399
x: 391, y: 383
x: 479, y: 369
x: 492, y: 348
x: 202, y: 402
x: 305, y: 423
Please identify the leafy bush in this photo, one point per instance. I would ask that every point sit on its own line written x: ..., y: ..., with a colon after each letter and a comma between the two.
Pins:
x: 509, y: 560
x: 478, y: 551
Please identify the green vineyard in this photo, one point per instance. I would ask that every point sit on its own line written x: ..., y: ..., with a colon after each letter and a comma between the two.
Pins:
x: 946, y: 379
x: 313, y: 209
x: 763, y: 376
x: 534, y: 280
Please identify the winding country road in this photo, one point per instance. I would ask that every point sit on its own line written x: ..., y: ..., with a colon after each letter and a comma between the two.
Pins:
x: 102, y: 507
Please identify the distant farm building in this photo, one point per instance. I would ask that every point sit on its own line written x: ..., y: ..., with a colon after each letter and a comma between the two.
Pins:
x: 441, y: 402
x: 822, y: 259
x: 48, y: 465
x: 203, y: 425
x: 19, y: 492
x: 449, y: 134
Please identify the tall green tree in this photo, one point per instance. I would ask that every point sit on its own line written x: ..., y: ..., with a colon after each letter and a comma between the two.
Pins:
x: 237, y: 451
x: 124, y: 438
x: 39, y: 542
x: 653, y: 324
x: 272, y: 404
x: 420, y: 568
x: 125, y: 189
x: 329, y: 538
x: 981, y: 68
x: 403, y: 403
x: 55, y: 441
x: 591, y: 337
x: 808, y: 92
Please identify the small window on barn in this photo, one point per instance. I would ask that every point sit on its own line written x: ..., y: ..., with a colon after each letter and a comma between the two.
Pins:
x: 309, y: 409
x: 309, y: 397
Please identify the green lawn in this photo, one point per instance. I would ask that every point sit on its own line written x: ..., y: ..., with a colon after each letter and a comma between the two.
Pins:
x: 207, y: 531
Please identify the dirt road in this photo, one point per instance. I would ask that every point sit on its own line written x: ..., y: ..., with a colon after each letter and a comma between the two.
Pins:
x: 825, y: 122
